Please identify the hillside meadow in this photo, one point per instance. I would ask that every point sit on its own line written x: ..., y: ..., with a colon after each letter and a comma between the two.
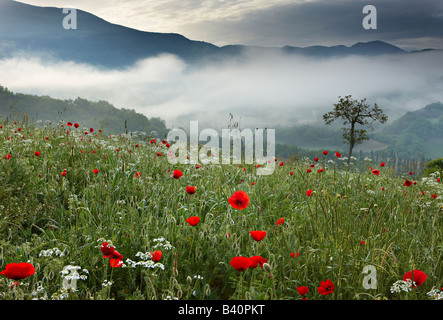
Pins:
x: 85, y: 215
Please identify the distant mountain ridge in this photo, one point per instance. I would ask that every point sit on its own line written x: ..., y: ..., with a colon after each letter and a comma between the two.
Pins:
x: 30, y: 28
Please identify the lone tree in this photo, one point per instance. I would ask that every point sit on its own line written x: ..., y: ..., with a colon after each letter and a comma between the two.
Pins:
x: 354, y: 113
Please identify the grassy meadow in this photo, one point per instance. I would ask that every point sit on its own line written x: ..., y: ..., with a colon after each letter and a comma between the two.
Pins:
x: 56, y: 211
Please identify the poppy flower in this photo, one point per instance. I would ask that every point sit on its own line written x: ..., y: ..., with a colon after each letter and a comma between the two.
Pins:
x: 410, y: 173
x: 326, y: 287
x: 76, y: 125
x: 115, y: 263
x: 280, y: 221
x: 63, y: 173
x: 190, y: 189
x: 257, y: 260
x: 258, y: 235
x: 177, y: 174
x: 193, y: 221
x: 309, y: 193
x: 416, y: 276
x: 308, y: 170
x: 302, y: 290
x: 434, y: 196
x: 69, y: 124
x: 294, y: 254
x: 281, y: 164
x: 382, y: 164
x: 198, y: 166
x: 106, y: 249
x: 152, y: 141
x: 376, y: 172
x: 408, y: 183
x: 291, y: 173
x: 159, y: 154
x: 156, y: 255
x: 16, y: 271
x: 338, y: 155
x: 240, y: 263
x: 316, y: 159
x: 37, y: 153
x: 325, y: 152
x: 239, y: 200
x: 95, y: 171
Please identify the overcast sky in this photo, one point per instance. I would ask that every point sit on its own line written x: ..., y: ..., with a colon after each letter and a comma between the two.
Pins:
x: 409, y: 24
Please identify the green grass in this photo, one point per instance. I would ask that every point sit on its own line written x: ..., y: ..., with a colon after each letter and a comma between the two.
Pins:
x: 42, y: 210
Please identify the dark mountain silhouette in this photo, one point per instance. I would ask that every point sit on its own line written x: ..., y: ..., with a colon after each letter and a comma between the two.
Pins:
x: 39, y: 30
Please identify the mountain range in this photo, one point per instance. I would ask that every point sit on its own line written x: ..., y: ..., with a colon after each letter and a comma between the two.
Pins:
x: 27, y: 28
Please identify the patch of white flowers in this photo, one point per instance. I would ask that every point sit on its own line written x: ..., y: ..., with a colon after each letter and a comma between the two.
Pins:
x: 145, y: 262
x: 50, y: 252
x: 402, y: 285
x: 435, y: 294
x: 162, y: 243
x: 106, y: 283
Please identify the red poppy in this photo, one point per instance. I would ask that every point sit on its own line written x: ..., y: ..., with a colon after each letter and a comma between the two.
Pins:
x: 115, y: 263
x: 63, y: 173
x: 191, y: 190
x: 239, y: 200
x: 416, y: 276
x: 316, y: 159
x: 376, y: 172
x: 291, y: 173
x: 152, y: 141
x: 257, y: 260
x: 95, y: 171
x: 159, y: 154
x: 325, y: 152
x: 241, y: 263
x: 91, y: 130
x: 295, y: 254
x: 338, y: 155
x: 76, y: 125
x: 326, y: 287
x: 137, y: 175
x: 309, y: 193
x: 434, y: 196
x: 69, y: 124
x: 198, y: 166
x: 362, y: 243
x: 258, y: 235
x: 16, y: 271
x: 408, y: 183
x: 280, y: 221
x: 156, y: 255
x: 302, y: 290
x: 106, y: 249
x: 7, y: 157
x: 177, y: 174
x: 382, y: 164
x: 309, y: 170
x: 37, y: 153
x: 281, y: 164
x: 193, y: 221
x: 410, y: 173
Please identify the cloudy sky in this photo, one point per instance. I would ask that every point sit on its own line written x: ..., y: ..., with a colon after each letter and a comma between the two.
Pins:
x: 410, y: 24
x: 264, y: 90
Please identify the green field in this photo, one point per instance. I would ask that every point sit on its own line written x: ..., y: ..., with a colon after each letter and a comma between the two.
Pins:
x: 351, y: 221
